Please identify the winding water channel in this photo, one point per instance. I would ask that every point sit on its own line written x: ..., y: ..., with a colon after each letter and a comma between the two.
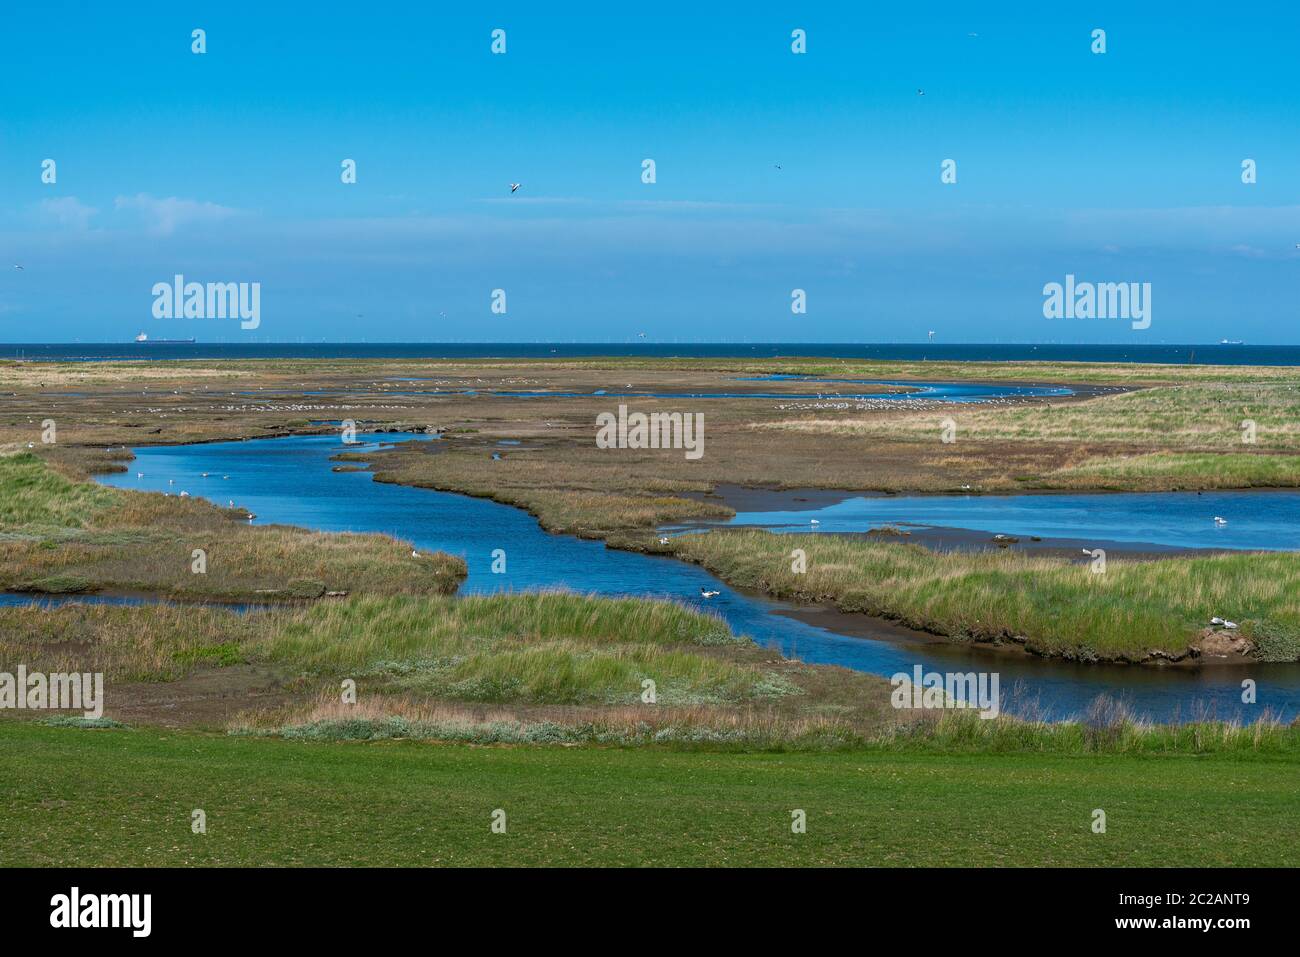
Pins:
x: 291, y: 481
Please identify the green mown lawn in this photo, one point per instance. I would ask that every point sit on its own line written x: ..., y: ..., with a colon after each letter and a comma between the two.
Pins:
x: 70, y: 796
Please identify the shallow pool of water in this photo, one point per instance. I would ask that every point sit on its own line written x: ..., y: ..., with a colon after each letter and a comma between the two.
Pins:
x: 1254, y: 520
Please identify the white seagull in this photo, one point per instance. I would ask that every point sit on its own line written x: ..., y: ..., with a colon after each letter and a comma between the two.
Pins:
x: 663, y: 541
x: 1220, y: 520
x: 709, y: 594
x: 18, y: 267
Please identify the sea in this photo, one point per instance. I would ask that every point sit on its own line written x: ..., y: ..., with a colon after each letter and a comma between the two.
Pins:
x: 1189, y: 354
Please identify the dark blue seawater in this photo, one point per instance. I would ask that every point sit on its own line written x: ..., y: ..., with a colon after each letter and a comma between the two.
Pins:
x: 1252, y: 520
x: 1206, y: 354
x: 290, y: 481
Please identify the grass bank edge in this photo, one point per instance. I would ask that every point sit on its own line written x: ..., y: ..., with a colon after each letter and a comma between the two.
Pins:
x: 1135, y: 611
x: 62, y: 535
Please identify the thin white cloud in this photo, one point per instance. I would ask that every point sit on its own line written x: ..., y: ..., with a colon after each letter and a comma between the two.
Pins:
x: 164, y: 215
x: 695, y: 205
x: 540, y: 200
x: 667, y: 205
x: 67, y: 212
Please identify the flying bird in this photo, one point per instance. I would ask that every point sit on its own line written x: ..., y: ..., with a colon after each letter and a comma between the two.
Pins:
x: 20, y: 268
x: 920, y: 92
x: 514, y: 186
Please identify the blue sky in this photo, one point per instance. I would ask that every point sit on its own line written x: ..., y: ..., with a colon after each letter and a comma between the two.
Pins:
x: 1119, y: 167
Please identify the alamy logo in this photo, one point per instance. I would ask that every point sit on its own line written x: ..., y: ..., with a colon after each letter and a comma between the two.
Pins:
x: 58, y: 691
x: 656, y: 430
x: 179, y: 299
x: 930, y: 689
x: 1103, y: 300
x: 103, y: 910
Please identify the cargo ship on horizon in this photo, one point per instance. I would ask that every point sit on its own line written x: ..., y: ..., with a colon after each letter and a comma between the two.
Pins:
x: 143, y: 340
